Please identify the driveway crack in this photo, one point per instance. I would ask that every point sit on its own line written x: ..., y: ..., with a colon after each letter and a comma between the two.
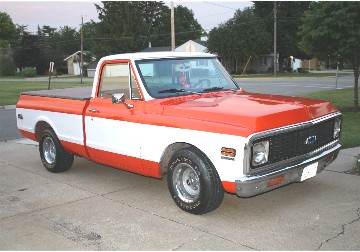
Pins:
x: 343, y: 227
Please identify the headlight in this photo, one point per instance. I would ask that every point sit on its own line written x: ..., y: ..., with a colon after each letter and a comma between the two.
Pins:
x: 337, y: 128
x: 260, y: 153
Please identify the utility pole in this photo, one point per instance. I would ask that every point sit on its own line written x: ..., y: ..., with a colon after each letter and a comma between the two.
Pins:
x: 275, y: 53
x: 82, y: 50
x: 172, y: 27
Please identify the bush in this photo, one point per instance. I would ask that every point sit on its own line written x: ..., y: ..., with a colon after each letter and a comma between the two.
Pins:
x: 302, y: 70
x: 289, y: 69
x: 251, y: 71
x: 7, y: 68
x: 61, y: 70
x: 29, y: 72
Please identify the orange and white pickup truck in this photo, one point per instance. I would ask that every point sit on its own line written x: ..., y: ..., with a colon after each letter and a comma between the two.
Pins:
x: 182, y: 115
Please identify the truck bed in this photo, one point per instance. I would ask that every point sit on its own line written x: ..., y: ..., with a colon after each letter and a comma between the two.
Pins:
x: 77, y: 93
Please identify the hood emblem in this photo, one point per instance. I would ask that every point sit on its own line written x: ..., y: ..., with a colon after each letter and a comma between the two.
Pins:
x: 310, y: 140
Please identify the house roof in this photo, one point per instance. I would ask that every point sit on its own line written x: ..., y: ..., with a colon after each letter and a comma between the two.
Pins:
x: 192, y: 46
x: 203, y: 43
x: 158, y: 49
x: 78, y: 52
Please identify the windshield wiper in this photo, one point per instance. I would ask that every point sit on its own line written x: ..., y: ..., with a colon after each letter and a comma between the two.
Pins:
x: 177, y: 90
x: 171, y: 90
x: 213, y: 89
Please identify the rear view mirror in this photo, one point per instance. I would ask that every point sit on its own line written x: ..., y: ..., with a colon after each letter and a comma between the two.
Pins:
x: 120, y: 98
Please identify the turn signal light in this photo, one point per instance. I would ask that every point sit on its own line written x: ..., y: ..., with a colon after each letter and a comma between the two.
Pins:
x: 229, y: 152
x: 275, y: 181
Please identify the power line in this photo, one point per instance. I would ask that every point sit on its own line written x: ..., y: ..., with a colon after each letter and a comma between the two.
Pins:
x: 220, y: 5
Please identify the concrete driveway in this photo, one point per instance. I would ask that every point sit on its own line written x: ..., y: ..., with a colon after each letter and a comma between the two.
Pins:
x: 93, y: 207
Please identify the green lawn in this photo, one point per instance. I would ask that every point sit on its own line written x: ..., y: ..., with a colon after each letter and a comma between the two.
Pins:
x: 343, y: 100
x: 10, y: 90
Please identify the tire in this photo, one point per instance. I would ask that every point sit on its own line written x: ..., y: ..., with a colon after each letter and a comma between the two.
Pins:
x: 193, y: 182
x: 52, y: 154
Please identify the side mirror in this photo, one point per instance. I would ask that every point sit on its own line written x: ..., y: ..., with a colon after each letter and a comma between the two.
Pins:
x: 120, y: 98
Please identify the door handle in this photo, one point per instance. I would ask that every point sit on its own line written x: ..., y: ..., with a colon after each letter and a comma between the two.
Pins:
x: 93, y: 110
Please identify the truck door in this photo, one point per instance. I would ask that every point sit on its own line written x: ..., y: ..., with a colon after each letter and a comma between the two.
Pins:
x: 111, y: 129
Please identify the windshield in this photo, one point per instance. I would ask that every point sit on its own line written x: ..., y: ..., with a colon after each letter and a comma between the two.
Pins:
x: 175, y: 77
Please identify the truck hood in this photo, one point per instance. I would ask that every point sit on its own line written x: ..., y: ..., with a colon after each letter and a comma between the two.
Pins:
x: 254, y: 112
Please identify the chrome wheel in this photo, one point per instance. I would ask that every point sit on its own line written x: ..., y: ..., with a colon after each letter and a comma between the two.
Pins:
x: 186, y: 183
x: 49, y: 150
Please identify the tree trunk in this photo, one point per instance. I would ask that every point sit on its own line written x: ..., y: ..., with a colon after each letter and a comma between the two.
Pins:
x: 281, y: 63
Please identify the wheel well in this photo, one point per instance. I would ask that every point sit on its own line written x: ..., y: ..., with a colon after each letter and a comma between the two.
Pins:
x: 169, y: 152
x: 39, y: 128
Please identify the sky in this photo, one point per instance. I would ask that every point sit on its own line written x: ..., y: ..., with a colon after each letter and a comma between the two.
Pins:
x: 68, y: 13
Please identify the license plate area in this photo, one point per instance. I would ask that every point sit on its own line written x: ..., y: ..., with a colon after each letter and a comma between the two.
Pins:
x: 309, y: 171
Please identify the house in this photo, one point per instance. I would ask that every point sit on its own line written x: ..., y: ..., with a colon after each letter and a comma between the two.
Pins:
x: 91, y: 69
x: 193, y: 46
x: 74, y: 64
x: 190, y: 46
x: 157, y: 49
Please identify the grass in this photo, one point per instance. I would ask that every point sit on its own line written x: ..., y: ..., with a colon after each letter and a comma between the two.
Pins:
x: 342, y: 99
x: 10, y: 90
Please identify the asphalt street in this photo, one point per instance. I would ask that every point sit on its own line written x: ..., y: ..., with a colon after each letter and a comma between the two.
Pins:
x: 94, y: 207
x: 294, y: 86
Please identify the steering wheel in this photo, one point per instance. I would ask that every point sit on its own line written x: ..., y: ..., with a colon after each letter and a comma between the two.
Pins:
x: 203, y: 83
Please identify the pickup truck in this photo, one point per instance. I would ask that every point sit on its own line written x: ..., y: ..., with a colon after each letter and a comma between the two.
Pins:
x: 181, y: 115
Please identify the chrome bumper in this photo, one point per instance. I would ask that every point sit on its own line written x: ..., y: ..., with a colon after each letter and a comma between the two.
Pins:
x: 252, y: 185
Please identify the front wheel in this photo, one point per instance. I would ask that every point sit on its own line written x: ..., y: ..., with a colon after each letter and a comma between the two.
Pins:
x: 52, y: 154
x: 193, y: 182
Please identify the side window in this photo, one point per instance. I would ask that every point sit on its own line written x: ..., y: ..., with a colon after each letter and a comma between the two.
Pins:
x: 118, y: 78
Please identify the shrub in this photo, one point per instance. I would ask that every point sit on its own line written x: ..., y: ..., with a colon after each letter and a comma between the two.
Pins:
x: 251, y: 71
x: 29, y: 72
x: 302, y: 70
x: 7, y: 68
x: 289, y: 69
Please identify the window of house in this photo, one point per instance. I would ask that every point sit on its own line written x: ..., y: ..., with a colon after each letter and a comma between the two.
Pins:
x: 118, y: 78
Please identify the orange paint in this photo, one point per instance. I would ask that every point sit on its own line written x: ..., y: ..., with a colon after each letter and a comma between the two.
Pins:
x: 229, y: 187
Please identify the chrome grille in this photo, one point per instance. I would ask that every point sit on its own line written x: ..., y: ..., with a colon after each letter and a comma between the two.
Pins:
x: 294, y: 143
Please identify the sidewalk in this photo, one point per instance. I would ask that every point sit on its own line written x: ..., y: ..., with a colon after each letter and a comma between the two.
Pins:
x: 346, y: 161
x: 7, y: 106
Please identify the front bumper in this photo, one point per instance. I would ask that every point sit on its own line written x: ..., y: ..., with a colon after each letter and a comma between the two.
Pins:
x: 252, y: 185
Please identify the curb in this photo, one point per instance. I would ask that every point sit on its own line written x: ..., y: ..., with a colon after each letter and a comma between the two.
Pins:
x: 7, y: 106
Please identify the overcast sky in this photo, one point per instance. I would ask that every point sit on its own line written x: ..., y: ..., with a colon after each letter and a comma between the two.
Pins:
x: 61, y: 13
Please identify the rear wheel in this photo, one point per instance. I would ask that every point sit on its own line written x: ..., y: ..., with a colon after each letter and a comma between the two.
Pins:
x: 52, y: 154
x: 193, y: 182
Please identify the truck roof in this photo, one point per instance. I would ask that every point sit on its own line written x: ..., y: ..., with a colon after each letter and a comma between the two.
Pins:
x: 158, y: 55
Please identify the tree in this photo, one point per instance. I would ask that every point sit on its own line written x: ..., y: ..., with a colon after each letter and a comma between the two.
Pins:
x: 59, y: 43
x: 289, y: 15
x: 333, y: 28
x: 129, y: 26
x: 242, y: 36
x: 31, y: 53
x: 9, y: 34
x: 186, y: 26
